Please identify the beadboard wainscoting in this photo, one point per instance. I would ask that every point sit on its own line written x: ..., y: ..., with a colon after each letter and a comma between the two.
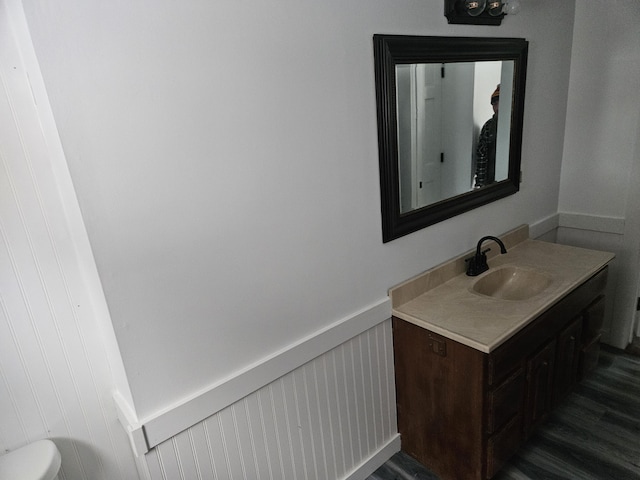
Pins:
x: 331, y: 418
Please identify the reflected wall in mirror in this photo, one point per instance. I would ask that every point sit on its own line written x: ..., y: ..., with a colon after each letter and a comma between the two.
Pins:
x: 444, y: 149
x: 442, y: 109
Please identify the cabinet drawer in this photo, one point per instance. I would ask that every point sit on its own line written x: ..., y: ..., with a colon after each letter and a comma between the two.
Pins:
x: 502, y: 445
x: 505, y: 401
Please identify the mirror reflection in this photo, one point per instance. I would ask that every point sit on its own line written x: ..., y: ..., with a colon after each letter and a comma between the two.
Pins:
x: 438, y: 156
x: 451, y: 139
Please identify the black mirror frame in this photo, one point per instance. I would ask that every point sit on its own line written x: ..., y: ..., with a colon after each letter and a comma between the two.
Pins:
x: 392, y: 50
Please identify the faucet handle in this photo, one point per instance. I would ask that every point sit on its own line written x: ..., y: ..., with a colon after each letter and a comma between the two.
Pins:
x: 477, y: 264
x: 482, y: 261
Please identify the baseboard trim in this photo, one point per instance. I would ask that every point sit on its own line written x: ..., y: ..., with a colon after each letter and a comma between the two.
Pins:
x: 376, y: 460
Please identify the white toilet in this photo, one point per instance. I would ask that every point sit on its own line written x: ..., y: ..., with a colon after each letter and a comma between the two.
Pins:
x: 37, y: 461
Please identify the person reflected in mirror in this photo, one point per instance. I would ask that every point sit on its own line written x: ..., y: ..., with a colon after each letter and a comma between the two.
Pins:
x: 486, y: 149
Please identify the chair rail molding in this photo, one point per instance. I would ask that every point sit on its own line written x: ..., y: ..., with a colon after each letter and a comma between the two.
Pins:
x: 146, y: 433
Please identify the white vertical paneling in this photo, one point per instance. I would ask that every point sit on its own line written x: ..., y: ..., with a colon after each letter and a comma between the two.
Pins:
x: 345, y: 394
x: 321, y: 421
x: 281, y: 414
x: 55, y: 375
x: 360, y: 380
x: 294, y: 430
x: 335, y: 413
x: 254, y: 439
x: 314, y: 424
x: 200, y: 447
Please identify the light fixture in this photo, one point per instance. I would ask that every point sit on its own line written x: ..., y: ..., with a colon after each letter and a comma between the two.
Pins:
x: 511, y: 7
x: 479, y: 12
x: 474, y: 7
x: 495, y: 8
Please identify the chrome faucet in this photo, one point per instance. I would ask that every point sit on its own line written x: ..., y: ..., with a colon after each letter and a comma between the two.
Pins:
x: 478, y: 263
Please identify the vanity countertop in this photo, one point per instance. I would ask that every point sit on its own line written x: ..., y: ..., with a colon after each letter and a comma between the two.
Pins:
x: 450, y: 308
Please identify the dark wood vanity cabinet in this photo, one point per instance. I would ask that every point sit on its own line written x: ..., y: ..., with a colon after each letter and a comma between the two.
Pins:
x: 463, y: 413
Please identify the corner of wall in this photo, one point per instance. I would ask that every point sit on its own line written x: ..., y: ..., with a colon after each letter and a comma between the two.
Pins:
x: 131, y: 425
x: 545, y: 229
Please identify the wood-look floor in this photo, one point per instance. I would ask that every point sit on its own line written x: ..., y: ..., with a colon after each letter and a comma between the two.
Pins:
x: 593, y: 435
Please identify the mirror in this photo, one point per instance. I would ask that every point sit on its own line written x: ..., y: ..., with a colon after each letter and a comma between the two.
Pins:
x: 444, y: 149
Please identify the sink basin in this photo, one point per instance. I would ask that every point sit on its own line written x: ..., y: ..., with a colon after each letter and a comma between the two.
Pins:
x: 512, y: 283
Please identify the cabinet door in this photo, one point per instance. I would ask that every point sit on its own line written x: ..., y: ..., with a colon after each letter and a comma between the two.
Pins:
x: 505, y: 402
x: 567, y: 360
x: 593, y: 320
x: 502, y: 445
x: 539, y: 386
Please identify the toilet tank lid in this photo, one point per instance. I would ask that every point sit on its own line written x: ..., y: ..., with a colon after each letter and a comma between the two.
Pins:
x: 37, y: 461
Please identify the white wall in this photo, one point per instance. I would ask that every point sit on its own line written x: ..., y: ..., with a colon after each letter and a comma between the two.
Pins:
x: 225, y: 159
x: 600, y: 174
x: 59, y: 362
x: 603, y: 113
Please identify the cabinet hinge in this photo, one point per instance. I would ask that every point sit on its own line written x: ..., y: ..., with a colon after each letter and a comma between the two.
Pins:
x: 437, y: 345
